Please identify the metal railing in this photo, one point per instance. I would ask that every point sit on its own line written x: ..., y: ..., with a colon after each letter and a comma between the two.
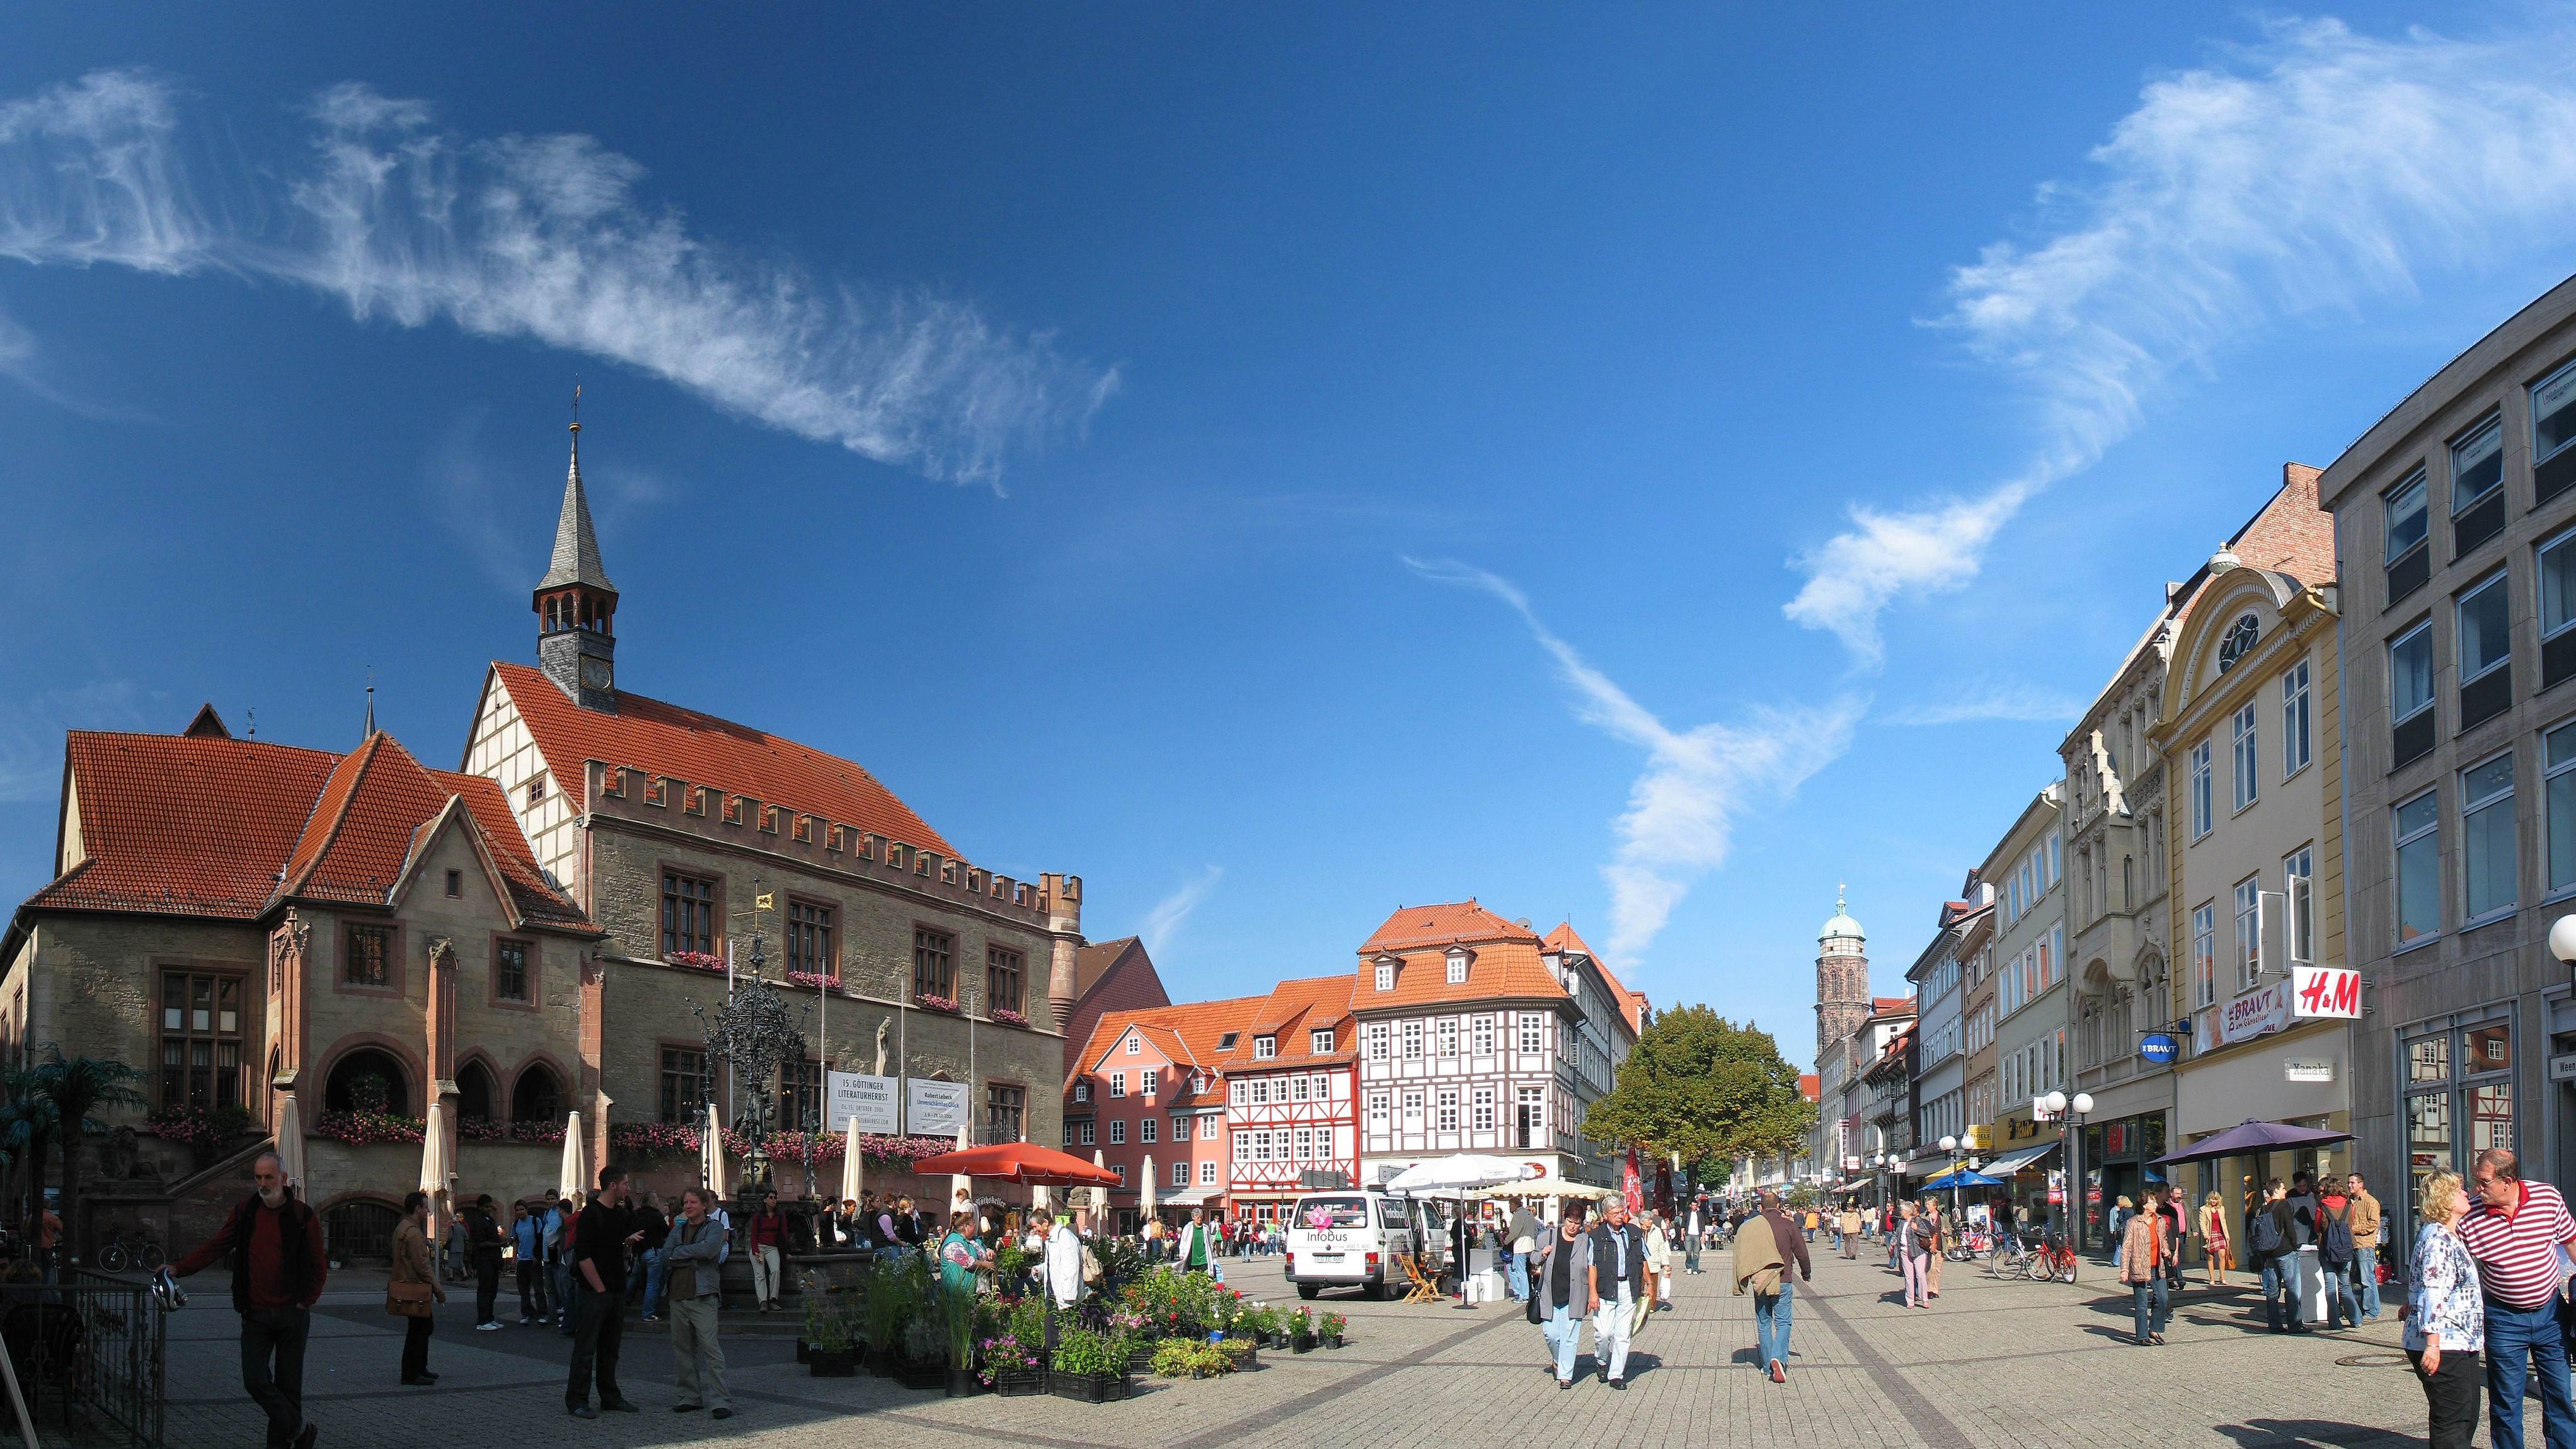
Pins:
x: 92, y: 1346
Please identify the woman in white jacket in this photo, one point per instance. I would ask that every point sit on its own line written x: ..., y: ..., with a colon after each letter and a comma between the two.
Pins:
x: 1063, y: 1263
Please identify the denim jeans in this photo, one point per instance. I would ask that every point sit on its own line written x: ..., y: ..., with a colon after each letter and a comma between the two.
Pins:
x: 2141, y: 1292
x: 276, y: 1334
x: 2518, y: 1341
x: 1564, y: 1330
x: 1771, y: 1313
x: 2343, y: 1302
x: 2281, y: 1291
x: 1520, y: 1276
x: 652, y: 1281
x: 2365, y: 1272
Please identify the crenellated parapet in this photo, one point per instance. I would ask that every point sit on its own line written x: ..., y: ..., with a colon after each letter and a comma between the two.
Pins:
x: 713, y: 813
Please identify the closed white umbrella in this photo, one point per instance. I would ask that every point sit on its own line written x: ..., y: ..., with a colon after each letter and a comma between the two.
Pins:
x: 961, y: 1189
x: 1099, y: 1195
x: 290, y: 1142
x: 853, y: 1167
x: 433, y: 1150
x: 574, y: 1177
x: 711, y: 1164
x: 1148, y: 1202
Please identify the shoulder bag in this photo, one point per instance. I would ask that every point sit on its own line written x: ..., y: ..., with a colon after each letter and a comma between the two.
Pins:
x: 411, y: 1300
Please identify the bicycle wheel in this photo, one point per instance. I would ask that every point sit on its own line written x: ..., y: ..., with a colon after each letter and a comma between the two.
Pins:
x: 2039, y: 1267
x: 150, y: 1257
x: 2066, y: 1267
x: 112, y: 1258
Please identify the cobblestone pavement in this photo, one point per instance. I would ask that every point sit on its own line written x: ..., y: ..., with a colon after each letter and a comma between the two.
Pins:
x: 1990, y: 1363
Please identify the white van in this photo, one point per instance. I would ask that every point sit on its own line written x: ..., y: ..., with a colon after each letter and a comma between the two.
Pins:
x: 1347, y: 1240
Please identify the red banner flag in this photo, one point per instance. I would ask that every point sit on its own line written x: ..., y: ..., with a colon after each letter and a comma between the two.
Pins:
x: 1631, y: 1186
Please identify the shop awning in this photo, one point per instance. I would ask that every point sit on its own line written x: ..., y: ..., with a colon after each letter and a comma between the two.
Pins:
x: 2017, y: 1159
x: 1198, y: 1197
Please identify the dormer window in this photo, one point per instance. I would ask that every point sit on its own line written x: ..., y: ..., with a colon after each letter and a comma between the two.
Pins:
x: 1320, y: 1043
x: 1082, y: 1091
x: 1459, y: 956
x: 1386, y: 973
x: 1264, y: 1048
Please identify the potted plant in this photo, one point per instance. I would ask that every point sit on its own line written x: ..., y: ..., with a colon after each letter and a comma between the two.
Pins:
x: 831, y: 1342
x: 957, y: 1313
x: 1176, y: 1358
x: 1013, y: 1360
x: 922, y: 1362
x: 1329, y: 1329
x: 889, y: 1312
x: 1090, y: 1366
x: 1301, y: 1330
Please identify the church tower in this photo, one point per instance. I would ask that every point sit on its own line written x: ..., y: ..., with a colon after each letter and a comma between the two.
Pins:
x: 575, y: 604
x: 1842, y: 979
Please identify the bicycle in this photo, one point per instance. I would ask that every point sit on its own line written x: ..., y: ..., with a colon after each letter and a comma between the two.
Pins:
x: 1968, y: 1248
x: 119, y: 1255
x: 2009, y: 1258
x: 2053, y: 1259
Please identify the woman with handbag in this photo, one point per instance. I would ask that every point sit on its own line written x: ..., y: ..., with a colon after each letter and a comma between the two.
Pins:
x: 1914, y: 1255
x: 409, y: 1291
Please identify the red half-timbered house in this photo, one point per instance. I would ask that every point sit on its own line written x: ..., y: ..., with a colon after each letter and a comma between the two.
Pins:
x: 1289, y: 1103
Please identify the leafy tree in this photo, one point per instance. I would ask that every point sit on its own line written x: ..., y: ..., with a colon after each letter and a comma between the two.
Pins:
x: 71, y: 1091
x: 1697, y: 1084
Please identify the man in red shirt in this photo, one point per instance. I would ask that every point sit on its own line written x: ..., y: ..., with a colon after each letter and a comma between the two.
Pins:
x: 278, y: 1263
x: 2514, y: 1232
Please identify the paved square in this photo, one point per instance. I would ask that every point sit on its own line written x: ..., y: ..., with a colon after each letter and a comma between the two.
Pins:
x: 1990, y: 1363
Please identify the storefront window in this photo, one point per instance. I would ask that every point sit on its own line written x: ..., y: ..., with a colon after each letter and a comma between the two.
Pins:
x: 2458, y: 1076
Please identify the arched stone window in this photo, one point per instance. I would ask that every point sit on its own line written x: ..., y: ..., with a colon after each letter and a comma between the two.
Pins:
x: 538, y: 1097
x: 368, y: 1079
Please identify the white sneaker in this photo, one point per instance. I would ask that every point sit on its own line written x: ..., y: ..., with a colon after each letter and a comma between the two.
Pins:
x: 486, y: 1327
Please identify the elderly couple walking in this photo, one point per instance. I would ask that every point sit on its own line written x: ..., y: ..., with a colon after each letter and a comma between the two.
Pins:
x: 2487, y: 1274
x: 1600, y: 1274
x: 1762, y: 1262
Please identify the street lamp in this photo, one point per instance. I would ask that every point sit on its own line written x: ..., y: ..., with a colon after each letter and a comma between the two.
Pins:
x: 2077, y: 1108
x: 2562, y: 944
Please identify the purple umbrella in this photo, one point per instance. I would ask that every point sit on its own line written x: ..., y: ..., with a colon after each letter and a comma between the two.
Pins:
x: 2252, y: 1136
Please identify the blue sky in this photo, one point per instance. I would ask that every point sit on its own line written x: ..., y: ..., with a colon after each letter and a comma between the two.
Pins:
x: 1276, y: 464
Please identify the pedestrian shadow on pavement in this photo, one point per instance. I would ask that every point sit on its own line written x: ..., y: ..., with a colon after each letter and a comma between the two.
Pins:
x: 2285, y: 1433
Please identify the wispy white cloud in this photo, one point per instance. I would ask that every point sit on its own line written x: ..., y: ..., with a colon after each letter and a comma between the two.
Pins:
x: 1989, y: 698
x: 2301, y: 175
x: 540, y: 237
x: 1682, y: 810
x: 1169, y: 912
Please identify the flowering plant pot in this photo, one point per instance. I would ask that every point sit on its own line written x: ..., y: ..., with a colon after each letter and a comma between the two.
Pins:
x: 1004, y: 1016
x: 1018, y: 1384
x: 815, y: 980
x: 696, y: 960
x: 936, y: 1003
x: 962, y: 1382
x: 1302, y: 1345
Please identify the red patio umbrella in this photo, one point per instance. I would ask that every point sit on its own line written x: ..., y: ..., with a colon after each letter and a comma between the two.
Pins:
x: 1021, y: 1162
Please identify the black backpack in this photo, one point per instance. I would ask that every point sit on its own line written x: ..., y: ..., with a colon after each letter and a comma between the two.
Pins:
x: 2264, y: 1232
x: 2334, y: 1249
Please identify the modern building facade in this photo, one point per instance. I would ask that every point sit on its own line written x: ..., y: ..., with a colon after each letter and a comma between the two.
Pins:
x: 2453, y: 517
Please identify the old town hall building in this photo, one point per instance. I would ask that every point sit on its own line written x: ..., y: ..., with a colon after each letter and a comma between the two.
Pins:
x: 350, y: 937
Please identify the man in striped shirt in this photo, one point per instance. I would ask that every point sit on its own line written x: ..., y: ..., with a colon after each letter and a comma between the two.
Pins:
x: 2514, y: 1232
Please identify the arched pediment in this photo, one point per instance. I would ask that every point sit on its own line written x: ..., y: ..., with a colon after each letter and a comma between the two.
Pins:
x: 2237, y: 615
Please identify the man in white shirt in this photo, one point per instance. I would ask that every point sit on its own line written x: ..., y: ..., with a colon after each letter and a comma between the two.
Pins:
x: 1063, y: 1263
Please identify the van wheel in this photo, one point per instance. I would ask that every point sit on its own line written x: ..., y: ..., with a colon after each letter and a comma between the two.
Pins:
x: 1376, y: 1292
x: 1308, y: 1290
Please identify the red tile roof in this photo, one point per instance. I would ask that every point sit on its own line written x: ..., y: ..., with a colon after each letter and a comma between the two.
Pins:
x: 368, y: 820
x: 704, y: 750
x: 181, y: 825
x: 1187, y: 1035
x: 1291, y: 1012
x: 1885, y: 1005
x: 1413, y: 927
x: 1810, y: 1086
x: 205, y: 825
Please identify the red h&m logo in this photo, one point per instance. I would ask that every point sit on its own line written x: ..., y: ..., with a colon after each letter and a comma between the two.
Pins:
x: 2326, y: 991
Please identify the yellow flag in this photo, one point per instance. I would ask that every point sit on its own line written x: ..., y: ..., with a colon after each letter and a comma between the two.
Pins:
x: 762, y: 902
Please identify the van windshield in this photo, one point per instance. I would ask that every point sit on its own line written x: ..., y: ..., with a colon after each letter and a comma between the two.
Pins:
x: 1333, y: 1212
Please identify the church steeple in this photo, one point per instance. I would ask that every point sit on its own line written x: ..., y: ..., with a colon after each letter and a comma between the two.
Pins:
x: 575, y: 603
